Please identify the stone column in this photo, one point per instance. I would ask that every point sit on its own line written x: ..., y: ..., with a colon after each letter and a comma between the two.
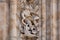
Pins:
x: 54, y: 20
x: 13, y: 23
x: 3, y: 20
x: 43, y: 20
x: 58, y: 14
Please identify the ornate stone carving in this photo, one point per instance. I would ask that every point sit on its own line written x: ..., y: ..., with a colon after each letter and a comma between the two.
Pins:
x: 29, y: 18
x: 30, y: 21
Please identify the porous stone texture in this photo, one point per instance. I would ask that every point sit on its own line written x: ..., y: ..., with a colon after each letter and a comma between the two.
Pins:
x: 29, y: 19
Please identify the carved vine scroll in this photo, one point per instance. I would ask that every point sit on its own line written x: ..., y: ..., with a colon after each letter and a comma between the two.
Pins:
x: 28, y: 17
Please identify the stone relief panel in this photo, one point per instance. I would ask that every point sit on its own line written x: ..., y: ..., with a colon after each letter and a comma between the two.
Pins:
x: 28, y: 17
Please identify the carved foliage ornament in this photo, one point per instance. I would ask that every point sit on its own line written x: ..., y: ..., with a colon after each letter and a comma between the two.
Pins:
x: 29, y: 19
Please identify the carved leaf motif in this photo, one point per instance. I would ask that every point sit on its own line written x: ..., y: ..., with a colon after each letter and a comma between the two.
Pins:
x: 29, y: 18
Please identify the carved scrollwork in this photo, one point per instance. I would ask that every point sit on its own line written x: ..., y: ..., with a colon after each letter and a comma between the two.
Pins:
x: 30, y: 22
x: 29, y: 19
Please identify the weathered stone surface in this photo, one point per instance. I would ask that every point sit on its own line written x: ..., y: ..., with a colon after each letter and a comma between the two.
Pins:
x: 3, y: 20
x: 29, y: 19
